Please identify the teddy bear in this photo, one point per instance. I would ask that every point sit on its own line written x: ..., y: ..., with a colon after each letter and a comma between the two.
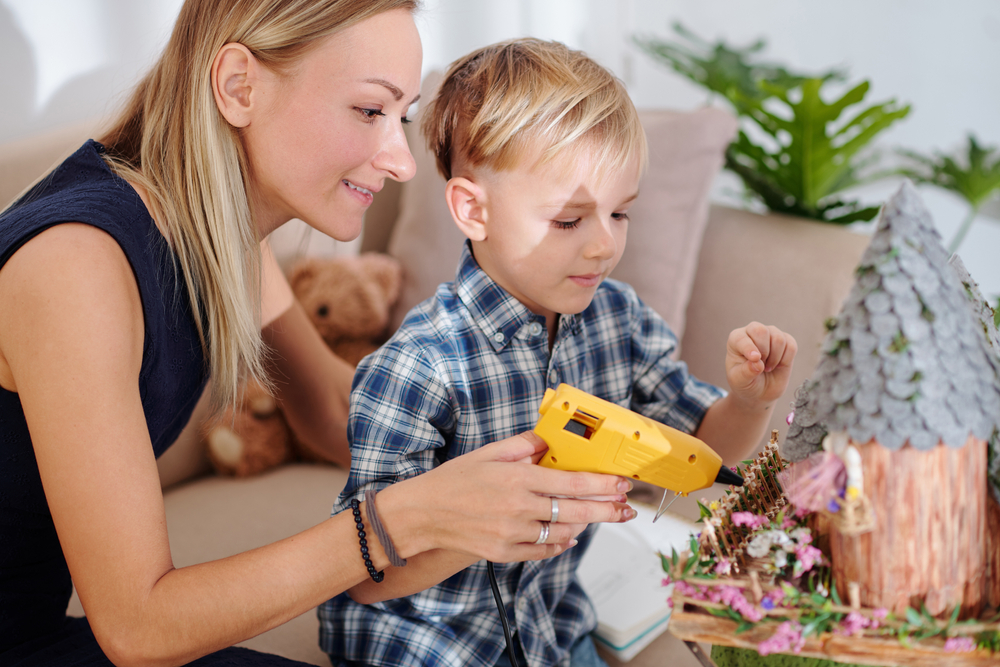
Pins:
x: 349, y: 301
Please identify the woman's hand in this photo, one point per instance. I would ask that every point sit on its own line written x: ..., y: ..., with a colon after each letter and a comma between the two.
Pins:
x: 491, y: 503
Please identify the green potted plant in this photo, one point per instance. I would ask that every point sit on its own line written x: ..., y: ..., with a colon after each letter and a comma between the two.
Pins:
x: 974, y: 176
x: 796, y: 153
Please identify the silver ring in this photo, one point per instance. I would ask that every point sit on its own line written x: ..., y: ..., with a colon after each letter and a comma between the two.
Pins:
x: 555, y: 511
x: 544, y: 534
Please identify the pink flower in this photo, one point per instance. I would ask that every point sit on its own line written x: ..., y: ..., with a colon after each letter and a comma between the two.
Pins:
x: 787, y: 636
x: 749, y: 519
x: 959, y: 645
x: 854, y: 624
x: 806, y: 556
x: 670, y: 602
x: 689, y: 591
x: 790, y: 417
x: 880, y: 613
x: 724, y: 566
x: 666, y: 581
x: 733, y: 598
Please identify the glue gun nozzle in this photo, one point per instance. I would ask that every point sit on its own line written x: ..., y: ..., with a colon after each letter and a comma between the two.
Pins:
x: 727, y: 476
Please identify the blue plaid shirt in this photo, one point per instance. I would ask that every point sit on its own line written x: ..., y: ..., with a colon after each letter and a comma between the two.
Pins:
x: 469, y: 367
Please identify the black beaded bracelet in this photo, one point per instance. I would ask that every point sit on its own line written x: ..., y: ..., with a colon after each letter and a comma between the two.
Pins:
x: 377, y: 577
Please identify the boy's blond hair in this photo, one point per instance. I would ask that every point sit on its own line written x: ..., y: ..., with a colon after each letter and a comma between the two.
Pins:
x: 502, y: 102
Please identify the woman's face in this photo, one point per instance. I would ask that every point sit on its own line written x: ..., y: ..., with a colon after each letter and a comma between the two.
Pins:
x: 322, y: 139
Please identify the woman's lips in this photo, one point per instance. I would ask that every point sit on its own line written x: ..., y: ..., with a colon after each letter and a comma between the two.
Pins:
x: 364, y: 194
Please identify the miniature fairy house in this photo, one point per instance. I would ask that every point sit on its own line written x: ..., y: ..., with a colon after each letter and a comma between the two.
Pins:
x: 906, y: 379
x: 986, y: 316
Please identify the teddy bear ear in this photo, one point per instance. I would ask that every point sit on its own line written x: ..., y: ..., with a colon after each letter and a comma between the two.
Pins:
x: 302, y: 275
x: 386, y: 271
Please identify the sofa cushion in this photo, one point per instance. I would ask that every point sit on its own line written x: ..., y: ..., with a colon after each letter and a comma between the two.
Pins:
x: 24, y: 160
x: 801, y: 271
x: 667, y: 221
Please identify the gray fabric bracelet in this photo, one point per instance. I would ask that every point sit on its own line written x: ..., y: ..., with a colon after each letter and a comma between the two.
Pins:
x: 383, y: 537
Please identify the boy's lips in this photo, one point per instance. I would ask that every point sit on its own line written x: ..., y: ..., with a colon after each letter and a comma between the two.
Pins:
x: 587, y: 279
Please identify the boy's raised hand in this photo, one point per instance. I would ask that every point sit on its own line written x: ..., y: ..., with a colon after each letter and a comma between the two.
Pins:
x: 759, y: 363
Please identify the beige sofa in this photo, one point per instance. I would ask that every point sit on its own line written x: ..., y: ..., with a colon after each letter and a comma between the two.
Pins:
x: 706, y: 268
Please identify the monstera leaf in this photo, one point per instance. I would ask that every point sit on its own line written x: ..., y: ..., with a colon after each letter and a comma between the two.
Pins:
x: 734, y: 73
x: 810, y: 154
x: 975, y: 178
x: 798, y: 160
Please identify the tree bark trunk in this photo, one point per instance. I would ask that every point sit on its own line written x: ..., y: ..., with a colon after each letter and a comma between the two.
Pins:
x: 929, y: 542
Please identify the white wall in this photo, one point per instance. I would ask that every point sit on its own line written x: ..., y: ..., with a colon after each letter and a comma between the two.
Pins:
x: 65, y: 60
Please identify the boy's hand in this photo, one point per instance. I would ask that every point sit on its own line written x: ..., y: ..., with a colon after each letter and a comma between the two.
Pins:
x: 759, y: 363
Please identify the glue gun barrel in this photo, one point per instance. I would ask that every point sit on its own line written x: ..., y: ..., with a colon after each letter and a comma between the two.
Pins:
x: 727, y: 476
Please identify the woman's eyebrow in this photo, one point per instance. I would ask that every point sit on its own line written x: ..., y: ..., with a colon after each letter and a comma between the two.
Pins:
x: 392, y: 88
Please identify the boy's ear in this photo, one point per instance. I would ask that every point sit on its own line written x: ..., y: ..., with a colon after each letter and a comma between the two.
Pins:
x: 466, y: 201
x: 232, y: 77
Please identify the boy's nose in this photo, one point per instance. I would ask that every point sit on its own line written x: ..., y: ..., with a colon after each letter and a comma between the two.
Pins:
x: 395, y: 157
x: 602, y: 244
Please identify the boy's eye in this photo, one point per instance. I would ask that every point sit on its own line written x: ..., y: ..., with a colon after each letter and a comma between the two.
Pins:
x: 566, y: 224
x: 620, y: 216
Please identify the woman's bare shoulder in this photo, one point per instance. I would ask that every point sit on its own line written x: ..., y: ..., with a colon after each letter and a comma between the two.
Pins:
x: 71, y: 282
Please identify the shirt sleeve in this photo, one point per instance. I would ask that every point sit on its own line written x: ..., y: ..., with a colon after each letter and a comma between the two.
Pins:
x: 399, y: 420
x: 662, y: 387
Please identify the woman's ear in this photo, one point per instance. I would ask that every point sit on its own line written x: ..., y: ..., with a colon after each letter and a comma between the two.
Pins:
x: 232, y: 79
x: 467, y: 203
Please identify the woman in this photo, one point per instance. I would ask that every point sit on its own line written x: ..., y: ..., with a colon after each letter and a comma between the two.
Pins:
x: 132, y: 273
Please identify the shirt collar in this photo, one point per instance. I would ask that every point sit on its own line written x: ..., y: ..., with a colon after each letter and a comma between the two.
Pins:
x: 497, y: 314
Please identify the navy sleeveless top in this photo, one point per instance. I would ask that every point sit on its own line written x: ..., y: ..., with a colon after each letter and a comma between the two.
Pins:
x: 35, y: 584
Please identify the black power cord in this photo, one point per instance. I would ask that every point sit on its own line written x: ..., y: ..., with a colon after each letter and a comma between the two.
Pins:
x: 503, y: 614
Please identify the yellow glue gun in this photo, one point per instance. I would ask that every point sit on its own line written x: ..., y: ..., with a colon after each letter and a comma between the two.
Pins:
x: 589, y: 434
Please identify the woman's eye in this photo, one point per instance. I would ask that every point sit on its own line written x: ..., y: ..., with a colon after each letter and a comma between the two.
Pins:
x: 370, y: 114
x: 620, y: 216
x: 566, y: 224
x: 405, y: 121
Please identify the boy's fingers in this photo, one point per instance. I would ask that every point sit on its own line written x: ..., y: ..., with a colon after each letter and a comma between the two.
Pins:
x: 742, y: 345
x: 760, y: 335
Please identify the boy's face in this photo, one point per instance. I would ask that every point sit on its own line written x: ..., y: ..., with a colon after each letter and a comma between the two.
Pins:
x: 554, y: 232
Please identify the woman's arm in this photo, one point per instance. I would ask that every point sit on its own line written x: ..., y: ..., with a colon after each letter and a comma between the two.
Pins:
x: 72, y: 339
x: 313, y: 385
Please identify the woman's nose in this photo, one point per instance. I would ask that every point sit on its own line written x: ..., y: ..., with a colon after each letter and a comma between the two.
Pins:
x: 395, y: 157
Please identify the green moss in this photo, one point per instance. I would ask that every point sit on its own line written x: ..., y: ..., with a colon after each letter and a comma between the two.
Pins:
x: 727, y: 656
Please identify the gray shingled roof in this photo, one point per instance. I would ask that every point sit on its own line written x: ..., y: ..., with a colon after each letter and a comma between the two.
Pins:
x: 984, y: 312
x: 906, y: 359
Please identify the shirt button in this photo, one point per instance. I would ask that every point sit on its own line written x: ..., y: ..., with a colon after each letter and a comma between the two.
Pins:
x: 498, y: 337
x: 535, y: 328
x: 553, y: 376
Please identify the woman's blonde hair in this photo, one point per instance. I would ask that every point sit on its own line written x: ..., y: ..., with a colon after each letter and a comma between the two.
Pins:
x: 171, y: 139
x: 504, y: 101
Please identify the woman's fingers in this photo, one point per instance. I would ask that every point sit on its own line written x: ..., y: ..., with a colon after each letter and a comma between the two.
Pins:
x: 591, y: 511
x: 524, y: 447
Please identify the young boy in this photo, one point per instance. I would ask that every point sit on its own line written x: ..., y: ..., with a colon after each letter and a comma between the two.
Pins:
x: 543, y: 151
